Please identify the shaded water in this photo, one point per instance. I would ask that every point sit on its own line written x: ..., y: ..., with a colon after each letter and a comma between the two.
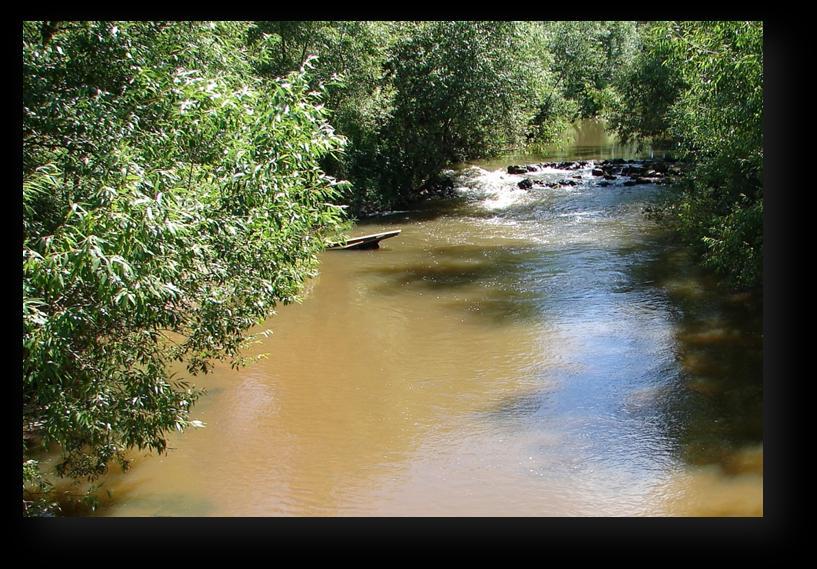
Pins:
x: 546, y: 352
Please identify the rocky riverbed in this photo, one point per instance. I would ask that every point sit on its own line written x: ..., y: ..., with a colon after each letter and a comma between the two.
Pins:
x: 618, y: 171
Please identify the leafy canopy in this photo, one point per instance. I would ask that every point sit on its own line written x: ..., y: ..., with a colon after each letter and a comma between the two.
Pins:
x: 171, y: 201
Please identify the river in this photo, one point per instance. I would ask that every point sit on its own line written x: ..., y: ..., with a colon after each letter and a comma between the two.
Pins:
x: 542, y: 352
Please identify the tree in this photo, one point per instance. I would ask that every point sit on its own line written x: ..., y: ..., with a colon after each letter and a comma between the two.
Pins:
x: 171, y: 201
x: 700, y: 84
x: 351, y: 58
x: 646, y: 89
x: 461, y: 90
x: 719, y: 120
x: 588, y: 56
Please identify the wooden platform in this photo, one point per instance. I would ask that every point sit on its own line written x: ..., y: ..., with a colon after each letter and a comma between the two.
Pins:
x: 364, y: 241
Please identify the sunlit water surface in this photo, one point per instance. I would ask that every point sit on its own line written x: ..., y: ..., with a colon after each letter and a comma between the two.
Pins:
x: 547, y: 352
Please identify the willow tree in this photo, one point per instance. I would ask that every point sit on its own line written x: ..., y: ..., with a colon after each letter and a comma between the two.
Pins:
x: 171, y: 201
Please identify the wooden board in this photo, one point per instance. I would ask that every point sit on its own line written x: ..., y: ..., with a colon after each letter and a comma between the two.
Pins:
x: 364, y: 241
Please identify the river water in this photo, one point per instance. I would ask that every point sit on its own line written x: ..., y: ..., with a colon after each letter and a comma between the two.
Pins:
x: 549, y: 352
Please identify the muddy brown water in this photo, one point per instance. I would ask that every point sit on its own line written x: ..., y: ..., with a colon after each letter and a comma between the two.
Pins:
x: 549, y: 352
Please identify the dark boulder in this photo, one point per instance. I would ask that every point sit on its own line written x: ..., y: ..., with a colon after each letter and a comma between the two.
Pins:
x: 531, y: 167
x: 440, y: 185
x: 525, y: 184
x: 660, y: 166
x: 513, y: 169
x: 597, y: 172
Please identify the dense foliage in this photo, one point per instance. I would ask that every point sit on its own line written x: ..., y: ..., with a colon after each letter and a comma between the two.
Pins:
x: 645, y: 90
x: 179, y: 178
x: 462, y: 90
x: 588, y: 56
x: 170, y: 202
x: 700, y: 84
x: 412, y: 97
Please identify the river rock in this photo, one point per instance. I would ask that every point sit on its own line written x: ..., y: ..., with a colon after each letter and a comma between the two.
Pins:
x: 597, y: 172
x: 632, y: 170
x: 514, y: 169
x: 659, y: 166
x: 610, y: 177
x: 525, y: 184
x: 440, y: 185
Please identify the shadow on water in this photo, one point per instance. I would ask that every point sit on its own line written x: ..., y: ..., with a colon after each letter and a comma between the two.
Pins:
x: 674, y: 371
x: 118, y: 487
x: 718, y: 403
x: 166, y: 504
x: 491, y: 278
x: 422, y: 211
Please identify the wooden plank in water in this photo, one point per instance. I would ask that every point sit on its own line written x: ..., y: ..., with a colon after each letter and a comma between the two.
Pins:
x: 364, y: 241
